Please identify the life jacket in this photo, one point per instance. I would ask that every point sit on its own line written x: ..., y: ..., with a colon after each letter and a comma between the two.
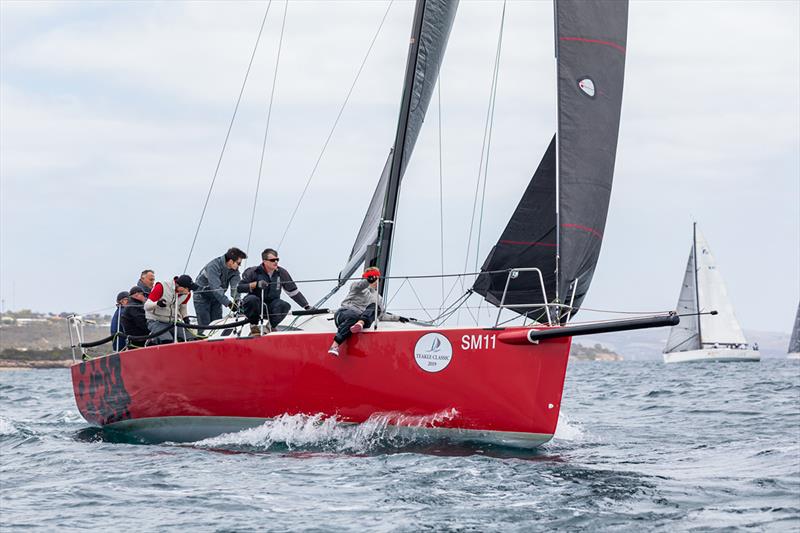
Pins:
x: 167, y: 314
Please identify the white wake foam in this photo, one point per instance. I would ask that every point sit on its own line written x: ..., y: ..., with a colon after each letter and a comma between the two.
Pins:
x: 567, y: 429
x: 330, y: 433
x: 7, y: 428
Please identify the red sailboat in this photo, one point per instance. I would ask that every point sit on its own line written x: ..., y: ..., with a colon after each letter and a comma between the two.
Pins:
x: 497, y: 384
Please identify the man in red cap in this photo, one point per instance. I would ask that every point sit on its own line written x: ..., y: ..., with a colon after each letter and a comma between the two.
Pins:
x: 360, y: 308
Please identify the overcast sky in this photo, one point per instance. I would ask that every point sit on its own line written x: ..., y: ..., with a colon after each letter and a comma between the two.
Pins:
x: 113, y: 114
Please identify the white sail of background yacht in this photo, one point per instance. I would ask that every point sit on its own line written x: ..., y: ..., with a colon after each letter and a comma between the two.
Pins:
x: 706, y: 336
x: 794, y: 342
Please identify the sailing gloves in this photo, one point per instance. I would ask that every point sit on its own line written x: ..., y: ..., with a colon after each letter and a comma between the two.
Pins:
x: 262, y: 284
x: 161, y: 303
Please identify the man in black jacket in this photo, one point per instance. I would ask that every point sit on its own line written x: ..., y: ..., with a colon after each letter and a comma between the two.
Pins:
x: 263, y: 283
x: 133, y: 321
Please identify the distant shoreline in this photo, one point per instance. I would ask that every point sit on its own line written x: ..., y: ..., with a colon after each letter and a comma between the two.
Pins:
x: 18, y: 364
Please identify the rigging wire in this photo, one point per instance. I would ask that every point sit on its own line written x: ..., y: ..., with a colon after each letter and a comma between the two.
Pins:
x: 496, y: 77
x: 441, y: 185
x: 266, y: 129
x: 227, y: 136
x: 335, y: 123
x: 492, y: 94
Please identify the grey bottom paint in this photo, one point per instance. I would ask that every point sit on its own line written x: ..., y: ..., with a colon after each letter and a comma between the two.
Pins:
x: 196, y: 428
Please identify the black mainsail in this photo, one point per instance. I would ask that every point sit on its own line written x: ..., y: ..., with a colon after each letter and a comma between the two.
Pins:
x: 590, y: 52
x: 433, y: 20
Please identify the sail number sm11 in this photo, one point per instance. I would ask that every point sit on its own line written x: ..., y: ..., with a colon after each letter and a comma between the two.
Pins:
x: 478, y: 342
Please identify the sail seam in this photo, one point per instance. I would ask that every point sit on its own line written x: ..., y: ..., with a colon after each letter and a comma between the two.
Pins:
x: 594, y: 41
x: 525, y: 243
x: 594, y: 232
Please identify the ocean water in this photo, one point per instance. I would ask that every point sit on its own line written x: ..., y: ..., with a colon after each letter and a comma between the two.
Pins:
x: 639, y: 446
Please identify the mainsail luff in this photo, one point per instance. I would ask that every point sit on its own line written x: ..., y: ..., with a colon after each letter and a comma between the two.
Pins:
x: 433, y: 20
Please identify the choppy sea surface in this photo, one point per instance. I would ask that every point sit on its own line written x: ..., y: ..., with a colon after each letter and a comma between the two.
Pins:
x: 639, y: 446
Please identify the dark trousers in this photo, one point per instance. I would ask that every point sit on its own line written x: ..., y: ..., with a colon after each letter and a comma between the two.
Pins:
x: 277, y: 309
x: 207, y: 309
x: 346, y: 317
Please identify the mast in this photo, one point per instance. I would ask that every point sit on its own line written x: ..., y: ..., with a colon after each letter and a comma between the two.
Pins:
x: 696, y: 288
x: 386, y: 229
x: 558, y: 130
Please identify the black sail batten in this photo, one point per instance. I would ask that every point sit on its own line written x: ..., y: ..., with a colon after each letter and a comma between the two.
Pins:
x: 433, y: 20
x: 591, y: 39
x: 529, y: 240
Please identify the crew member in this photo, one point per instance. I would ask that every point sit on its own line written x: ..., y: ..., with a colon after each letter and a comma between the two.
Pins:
x: 167, y: 301
x: 217, y: 276
x: 134, y: 322
x: 358, y: 310
x: 116, y: 325
x: 146, y: 281
x: 263, y: 285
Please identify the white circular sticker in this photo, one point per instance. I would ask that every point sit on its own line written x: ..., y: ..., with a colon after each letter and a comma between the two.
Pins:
x: 587, y: 86
x: 433, y: 352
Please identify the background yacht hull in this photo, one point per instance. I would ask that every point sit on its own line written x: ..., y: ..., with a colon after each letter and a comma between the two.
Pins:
x: 720, y: 355
x: 489, y: 390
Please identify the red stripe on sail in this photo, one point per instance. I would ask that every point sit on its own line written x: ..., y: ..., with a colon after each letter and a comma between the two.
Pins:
x: 584, y: 228
x: 529, y: 243
x: 594, y: 41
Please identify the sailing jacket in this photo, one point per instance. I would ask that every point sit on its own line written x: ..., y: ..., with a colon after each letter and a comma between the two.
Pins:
x: 165, y: 290
x: 280, y: 279
x: 361, y: 295
x: 117, y: 324
x: 133, y: 321
x: 215, y: 279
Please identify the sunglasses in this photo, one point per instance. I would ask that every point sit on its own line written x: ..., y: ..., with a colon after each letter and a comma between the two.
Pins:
x: 275, y: 260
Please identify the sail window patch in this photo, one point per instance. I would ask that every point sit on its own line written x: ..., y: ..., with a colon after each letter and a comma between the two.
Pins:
x: 587, y: 86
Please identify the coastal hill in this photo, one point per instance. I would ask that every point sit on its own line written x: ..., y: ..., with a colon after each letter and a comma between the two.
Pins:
x: 29, y: 339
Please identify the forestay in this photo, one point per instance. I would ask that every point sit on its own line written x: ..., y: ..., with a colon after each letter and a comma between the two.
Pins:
x: 529, y: 239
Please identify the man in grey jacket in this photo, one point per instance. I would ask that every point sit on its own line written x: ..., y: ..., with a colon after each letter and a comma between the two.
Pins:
x: 217, y: 276
x: 360, y: 308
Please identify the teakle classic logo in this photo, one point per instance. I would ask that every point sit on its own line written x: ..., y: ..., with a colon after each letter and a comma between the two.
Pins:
x: 587, y: 86
x: 433, y: 352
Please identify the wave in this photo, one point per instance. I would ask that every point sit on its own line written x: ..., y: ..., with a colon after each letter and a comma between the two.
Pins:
x: 381, y: 430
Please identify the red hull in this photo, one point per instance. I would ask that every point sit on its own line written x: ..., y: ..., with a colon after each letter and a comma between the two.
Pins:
x: 491, y: 385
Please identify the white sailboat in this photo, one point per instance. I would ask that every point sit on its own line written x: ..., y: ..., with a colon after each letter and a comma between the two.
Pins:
x: 794, y: 342
x: 706, y: 336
